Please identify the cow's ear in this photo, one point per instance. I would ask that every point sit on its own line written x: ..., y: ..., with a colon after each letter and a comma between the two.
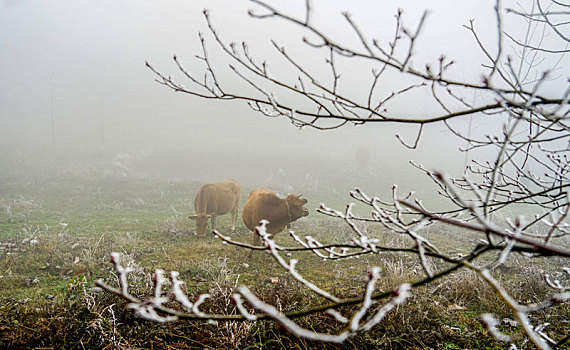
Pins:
x: 192, y: 217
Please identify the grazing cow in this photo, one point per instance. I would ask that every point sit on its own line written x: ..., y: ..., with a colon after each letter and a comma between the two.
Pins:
x: 264, y: 204
x: 216, y: 199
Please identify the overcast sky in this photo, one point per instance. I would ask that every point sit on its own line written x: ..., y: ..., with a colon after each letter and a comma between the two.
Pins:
x: 84, y: 63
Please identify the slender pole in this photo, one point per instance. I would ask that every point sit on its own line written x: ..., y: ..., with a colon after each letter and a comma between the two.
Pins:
x: 101, y: 123
x: 53, y: 113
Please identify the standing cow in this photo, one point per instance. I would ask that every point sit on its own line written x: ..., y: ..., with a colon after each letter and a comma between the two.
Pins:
x: 216, y: 199
x: 263, y: 204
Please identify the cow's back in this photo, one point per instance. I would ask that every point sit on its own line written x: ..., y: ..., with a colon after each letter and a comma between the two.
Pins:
x: 253, y: 200
x: 264, y: 204
x: 217, y: 198
x: 227, y: 195
x: 234, y: 192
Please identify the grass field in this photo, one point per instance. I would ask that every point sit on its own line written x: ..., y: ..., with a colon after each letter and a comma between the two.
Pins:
x: 58, y: 228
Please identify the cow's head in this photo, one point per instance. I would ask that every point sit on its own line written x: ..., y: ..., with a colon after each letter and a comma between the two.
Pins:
x: 296, y: 206
x: 201, y: 223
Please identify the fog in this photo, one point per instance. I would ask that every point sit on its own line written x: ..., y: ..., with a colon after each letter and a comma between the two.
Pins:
x: 74, y: 86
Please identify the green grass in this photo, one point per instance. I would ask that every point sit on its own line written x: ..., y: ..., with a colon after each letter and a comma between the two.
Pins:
x: 57, y: 231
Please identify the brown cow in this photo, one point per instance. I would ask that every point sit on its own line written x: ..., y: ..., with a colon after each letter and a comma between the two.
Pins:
x: 216, y: 199
x: 263, y: 204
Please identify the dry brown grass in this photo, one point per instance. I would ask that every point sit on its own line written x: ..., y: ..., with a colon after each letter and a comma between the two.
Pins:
x: 143, y: 219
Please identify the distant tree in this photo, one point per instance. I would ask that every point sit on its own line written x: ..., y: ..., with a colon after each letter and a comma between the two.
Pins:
x: 526, y: 181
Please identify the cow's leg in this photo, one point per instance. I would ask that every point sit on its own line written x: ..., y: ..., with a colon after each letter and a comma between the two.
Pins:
x: 256, y: 239
x: 234, y: 218
x: 213, y: 222
x: 256, y: 242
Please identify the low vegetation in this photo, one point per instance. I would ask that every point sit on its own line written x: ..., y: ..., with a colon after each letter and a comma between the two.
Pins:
x: 57, y: 232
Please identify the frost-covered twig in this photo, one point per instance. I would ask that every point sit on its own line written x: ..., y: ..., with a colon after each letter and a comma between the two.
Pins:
x: 524, y: 145
x: 152, y: 308
x: 355, y: 324
x: 520, y: 311
x: 290, y: 267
